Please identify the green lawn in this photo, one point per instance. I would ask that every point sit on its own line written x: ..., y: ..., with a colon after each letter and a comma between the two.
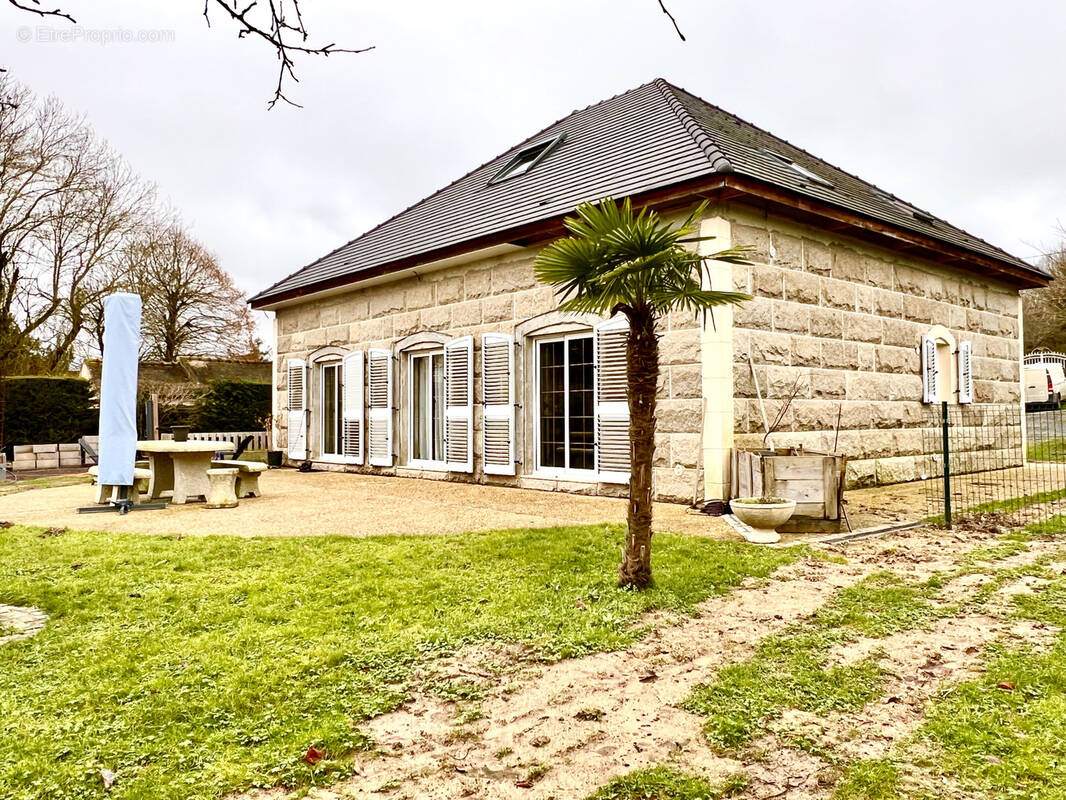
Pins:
x: 193, y: 667
x: 1047, y: 450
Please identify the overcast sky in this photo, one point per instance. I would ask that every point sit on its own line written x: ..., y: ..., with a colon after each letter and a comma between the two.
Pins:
x: 955, y: 106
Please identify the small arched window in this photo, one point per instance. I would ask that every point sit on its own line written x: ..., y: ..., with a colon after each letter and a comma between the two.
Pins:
x: 940, y: 372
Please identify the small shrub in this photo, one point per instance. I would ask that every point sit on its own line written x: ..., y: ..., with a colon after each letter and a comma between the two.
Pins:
x: 233, y: 406
x: 45, y: 409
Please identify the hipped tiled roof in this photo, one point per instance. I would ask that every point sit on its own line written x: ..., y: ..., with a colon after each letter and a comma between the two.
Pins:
x: 650, y: 138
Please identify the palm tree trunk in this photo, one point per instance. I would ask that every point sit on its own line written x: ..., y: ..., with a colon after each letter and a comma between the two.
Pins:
x: 642, y: 352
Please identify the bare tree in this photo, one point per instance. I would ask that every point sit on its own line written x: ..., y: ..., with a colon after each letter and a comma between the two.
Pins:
x: 191, y: 305
x: 1044, y: 310
x: 68, y: 205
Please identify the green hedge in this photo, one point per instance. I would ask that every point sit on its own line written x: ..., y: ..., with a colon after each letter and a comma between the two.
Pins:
x: 42, y: 410
x: 234, y: 406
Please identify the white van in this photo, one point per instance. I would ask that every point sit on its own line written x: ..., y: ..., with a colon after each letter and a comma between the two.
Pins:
x: 1045, y: 383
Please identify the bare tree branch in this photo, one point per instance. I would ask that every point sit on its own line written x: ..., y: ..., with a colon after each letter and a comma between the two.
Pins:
x: 274, y: 31
x: 662, y: 5
x: 278, y: 23
x: 41, y: 12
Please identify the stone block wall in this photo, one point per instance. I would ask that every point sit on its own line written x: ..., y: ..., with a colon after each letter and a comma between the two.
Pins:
x: 841, y: 322
x: 493, y: 294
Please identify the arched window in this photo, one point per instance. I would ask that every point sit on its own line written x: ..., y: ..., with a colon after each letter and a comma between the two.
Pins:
x: 939, y: 377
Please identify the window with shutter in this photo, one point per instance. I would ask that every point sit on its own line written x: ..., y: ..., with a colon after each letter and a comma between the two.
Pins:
x: 965, y: 372
x: 930, y: 371
x: 353, y: 407
x: 379, y: 400
x: 459, y: 404
x: 497, y: 388
x: 613, y: 451
x: 565, y: 429
x: 296, y: 377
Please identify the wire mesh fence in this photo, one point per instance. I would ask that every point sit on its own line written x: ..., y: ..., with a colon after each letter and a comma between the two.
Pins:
x: 994, y: 459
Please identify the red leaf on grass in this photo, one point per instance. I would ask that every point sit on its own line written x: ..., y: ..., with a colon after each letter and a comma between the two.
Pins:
x: 313, y: 755
x: 1006, y: 686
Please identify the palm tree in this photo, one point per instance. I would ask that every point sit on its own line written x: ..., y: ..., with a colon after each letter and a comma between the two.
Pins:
x: 617, y: 261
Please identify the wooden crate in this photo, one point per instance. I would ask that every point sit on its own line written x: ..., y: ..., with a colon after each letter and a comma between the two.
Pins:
x: 814, y: 480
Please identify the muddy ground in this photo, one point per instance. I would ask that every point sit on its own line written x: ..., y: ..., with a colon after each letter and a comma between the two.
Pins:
x: 563, y: 730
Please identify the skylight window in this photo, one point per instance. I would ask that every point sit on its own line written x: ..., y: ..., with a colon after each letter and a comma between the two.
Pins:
x: 806, y: 173
x: 918, y: 214
x: 527, y: 158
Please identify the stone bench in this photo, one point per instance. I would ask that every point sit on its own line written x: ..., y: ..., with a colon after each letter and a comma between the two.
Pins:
x: 105, y: 493
x: 247, y: 475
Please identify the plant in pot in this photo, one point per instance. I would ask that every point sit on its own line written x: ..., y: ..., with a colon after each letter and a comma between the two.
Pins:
x: 273, y: 456
x: 763, y: 515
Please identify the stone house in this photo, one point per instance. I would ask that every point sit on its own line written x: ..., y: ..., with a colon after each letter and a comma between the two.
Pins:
x: 426, y: 348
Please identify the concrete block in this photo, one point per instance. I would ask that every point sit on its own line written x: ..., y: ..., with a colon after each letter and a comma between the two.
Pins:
x: 45, y: 448
x: 23, y: 448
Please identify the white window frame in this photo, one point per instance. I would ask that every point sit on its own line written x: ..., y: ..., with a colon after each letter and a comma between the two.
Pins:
x: 561, y: 473
x: 437, y: 465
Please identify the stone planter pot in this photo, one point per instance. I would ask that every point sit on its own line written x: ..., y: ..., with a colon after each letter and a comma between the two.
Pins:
x: 763, y: 518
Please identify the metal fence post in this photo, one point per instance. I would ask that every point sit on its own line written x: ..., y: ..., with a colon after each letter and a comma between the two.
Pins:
x: 947, y: 462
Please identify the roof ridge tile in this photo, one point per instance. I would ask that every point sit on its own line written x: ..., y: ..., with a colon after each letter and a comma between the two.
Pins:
x: 718, y: 159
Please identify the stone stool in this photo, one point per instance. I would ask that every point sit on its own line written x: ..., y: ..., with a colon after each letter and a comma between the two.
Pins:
x: 105, y: 493
x: 222, y: 492
x: 248, y: 475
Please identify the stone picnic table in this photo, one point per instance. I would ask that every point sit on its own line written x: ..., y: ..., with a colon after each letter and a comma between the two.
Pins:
x: 181, y: 466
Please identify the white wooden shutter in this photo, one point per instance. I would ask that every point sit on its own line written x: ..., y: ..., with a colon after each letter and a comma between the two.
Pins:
x: 353, y: 407
x: 965, y: 372
x: 296, y: 370
x: 379, y: 424
x: 613, y: 450
x: 459, y: 404
x: 497, y: 394
x: 930, y: 380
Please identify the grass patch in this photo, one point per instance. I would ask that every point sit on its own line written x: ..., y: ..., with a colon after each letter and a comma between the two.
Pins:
x: 869, y: 779
x: 790, y: 670
x: 1003, y: 734
x: 1005, y: 742
x: 1047, y: 450
x: 196, y: 666
x: 664, y: 783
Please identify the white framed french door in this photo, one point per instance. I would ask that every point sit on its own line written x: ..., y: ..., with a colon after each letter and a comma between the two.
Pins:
x: 427, y: 401
x: 331, y: 387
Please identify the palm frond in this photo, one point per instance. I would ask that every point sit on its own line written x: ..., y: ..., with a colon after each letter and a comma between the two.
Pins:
x: 615, y: 257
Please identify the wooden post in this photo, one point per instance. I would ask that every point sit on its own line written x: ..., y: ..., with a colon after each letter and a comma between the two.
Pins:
x: 155, y: 416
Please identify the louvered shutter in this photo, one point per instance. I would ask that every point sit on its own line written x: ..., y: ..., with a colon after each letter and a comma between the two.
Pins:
x: 379, y: 423
x: 353, y: 407
x: 459, y: 404
x: 965, y: 372
x: 296, y: 370
x: 613, y: 451
x: 497, y: 390
x: 930, y: 380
